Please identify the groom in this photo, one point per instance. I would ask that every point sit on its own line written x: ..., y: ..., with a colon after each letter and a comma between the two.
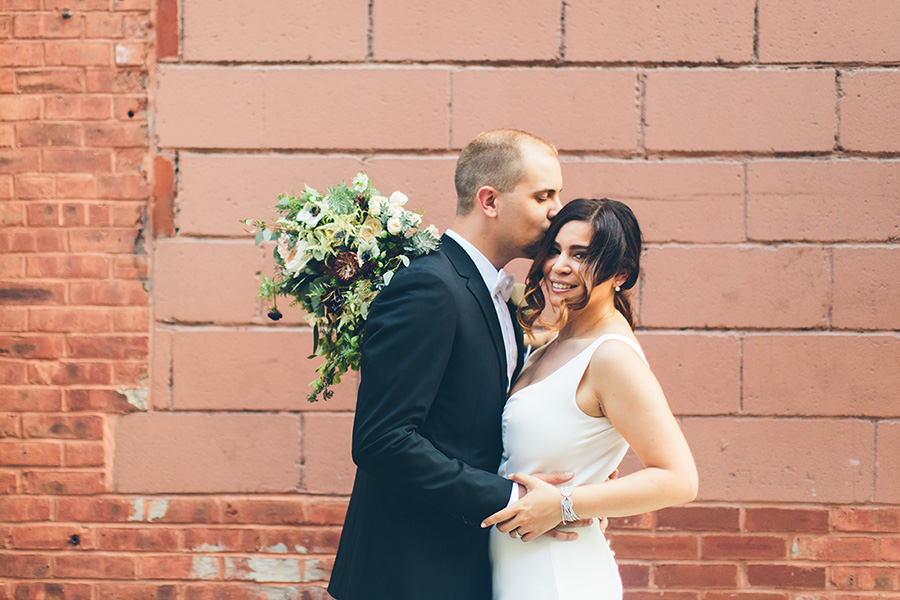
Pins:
x: 439, y: 351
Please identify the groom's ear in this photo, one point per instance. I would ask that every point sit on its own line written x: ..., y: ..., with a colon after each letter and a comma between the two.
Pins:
x: 486, y: 197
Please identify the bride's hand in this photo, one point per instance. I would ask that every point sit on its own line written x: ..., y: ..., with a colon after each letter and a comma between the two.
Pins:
x: 535, y: 514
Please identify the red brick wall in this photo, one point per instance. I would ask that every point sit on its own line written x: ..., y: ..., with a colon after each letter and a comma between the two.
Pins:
x: 155, y: 414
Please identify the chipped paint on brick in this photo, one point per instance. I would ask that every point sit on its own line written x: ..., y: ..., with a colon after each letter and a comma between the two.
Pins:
x: 263, y: 569
x: 312, y: 571
x: 205, y: 567
x: 137, y: 397
x: 273, y: 593
x: 138, y: 506
x: 208, y: 548
x: 123, y: 54
x: 300, y: 549
x: 279, y: 547
x: 158, y: 509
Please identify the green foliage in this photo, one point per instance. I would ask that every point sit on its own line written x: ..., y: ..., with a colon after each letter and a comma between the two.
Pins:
x: 333, y: 254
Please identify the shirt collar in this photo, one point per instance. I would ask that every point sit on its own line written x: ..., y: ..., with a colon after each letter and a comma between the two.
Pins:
x: 484, y: 266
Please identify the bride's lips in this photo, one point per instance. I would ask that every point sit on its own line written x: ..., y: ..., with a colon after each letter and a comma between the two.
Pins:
x: 559, y: 287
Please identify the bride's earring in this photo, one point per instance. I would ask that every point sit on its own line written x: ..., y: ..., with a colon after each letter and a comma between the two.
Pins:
x: 618, y: 289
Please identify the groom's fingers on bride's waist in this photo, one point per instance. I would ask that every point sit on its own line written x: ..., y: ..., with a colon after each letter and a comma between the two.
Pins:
x: 556, y: 534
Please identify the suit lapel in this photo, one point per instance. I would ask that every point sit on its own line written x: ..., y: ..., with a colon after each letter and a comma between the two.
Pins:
x: 475, y: 284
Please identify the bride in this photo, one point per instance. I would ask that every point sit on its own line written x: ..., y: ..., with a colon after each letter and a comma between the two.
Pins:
x: 579, y: 403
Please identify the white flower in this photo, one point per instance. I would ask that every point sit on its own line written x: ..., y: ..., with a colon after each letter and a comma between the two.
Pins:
x: 370, y: 229
x: 308, y: 217
x: 433, y: 232
x: 298, y: 258
x: 394, y: 226
x: 360, y: 182
x: 377, y: 204
x: 398, y: 199
x: 395, y: 211
x: 414, y: 219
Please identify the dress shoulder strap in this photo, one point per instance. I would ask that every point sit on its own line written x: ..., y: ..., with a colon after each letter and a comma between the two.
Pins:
x: 615, y: 336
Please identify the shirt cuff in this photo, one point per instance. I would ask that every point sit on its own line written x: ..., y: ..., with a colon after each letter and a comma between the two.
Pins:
x: 513, y: 494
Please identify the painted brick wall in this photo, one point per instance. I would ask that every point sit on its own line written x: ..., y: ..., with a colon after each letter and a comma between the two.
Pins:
x: 171, y: 455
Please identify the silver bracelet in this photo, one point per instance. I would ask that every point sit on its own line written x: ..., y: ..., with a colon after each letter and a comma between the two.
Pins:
x: 568, y: 513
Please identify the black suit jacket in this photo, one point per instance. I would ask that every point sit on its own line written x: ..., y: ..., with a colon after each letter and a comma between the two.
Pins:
x: 426, y: 438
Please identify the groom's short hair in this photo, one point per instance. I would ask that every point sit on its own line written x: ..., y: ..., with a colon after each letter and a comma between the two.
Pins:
x: 493, y: 158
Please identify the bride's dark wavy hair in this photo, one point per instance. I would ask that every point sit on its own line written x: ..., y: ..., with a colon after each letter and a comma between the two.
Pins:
x: 615, y: 247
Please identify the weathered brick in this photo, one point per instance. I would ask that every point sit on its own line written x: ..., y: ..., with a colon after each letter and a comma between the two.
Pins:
x: 189, y: 274
x: 838, y: 32
x: 246, y: 186
x: 21, y: 54
x: 889, y: 549
x: 817, y: 374
x: 107, y: 346
x: 206, y: 453
x: 111, y: 293
x: 885, y: 520
x: 869, y: 108
x: 30, y: 399
x: 69, y: 319
x: 786, y: 519
x: 605, y: 100
x: 80, y: 53
x: 328, y: 467
x: 782, y: 460
x: 229, y: 540
x: 780, y: 111
x: 56, y: 537
x: 19, y: 509
x: 823, y: 200
x: 25, y: 566
x: 466, y: 30
x: 225, y: 31
x: 718, y: 547
x: 76, y: 161
x: 695, y: 575
x: 648, y: 31
x: 31, y: 346
x: 302, y: 540
x: 796, y: 280
x: 786, y: 576
x: 69, y: 373
x: 866, y: 283
x: 650, y: 546
x: 865, y: 578
x: 179, y: 567
x: 81, y: 427
x: 134, y: 539
x: 85, y: 454
x: 136, y: 591
x: 50, y: 81
x: 115, y: 81
x: 261, y: 512
x: 49, y: 134
x: 395, y: 108
x: 699, y: 518
x: 667, y: 197
x: 700, y: 374
x: 103, y: 25
x: 834, y: 549
x: 95, y: 567
x: 64, y: 483
x: 634, y: 576
x: 887, y: 462
x: 32, y: 454
x: 20, y: 108
x: 263, y: 569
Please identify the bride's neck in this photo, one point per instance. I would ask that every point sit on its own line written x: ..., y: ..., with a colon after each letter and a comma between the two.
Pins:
x: 589, y: 319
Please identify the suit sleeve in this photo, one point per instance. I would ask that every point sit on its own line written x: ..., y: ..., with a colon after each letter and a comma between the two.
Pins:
x: 406, y: 346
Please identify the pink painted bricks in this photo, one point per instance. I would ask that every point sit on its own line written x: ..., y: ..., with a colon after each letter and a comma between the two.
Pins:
x: 155, y: 440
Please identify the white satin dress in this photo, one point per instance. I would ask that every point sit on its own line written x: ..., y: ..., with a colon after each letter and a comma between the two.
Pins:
x: 545, y: 431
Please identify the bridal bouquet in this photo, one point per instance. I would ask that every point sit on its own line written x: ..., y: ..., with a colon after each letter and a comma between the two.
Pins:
x: 334, y: 252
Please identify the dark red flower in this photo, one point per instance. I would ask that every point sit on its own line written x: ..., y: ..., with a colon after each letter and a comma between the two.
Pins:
x: 344, y: 266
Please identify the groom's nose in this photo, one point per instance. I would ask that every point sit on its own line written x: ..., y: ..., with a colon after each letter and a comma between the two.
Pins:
x: 555, y: 207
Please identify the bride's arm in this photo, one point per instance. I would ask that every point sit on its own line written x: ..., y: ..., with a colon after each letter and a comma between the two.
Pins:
x: 634, y: 403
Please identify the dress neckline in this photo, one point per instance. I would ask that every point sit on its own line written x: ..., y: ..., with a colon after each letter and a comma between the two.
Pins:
x: 594, y: 344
